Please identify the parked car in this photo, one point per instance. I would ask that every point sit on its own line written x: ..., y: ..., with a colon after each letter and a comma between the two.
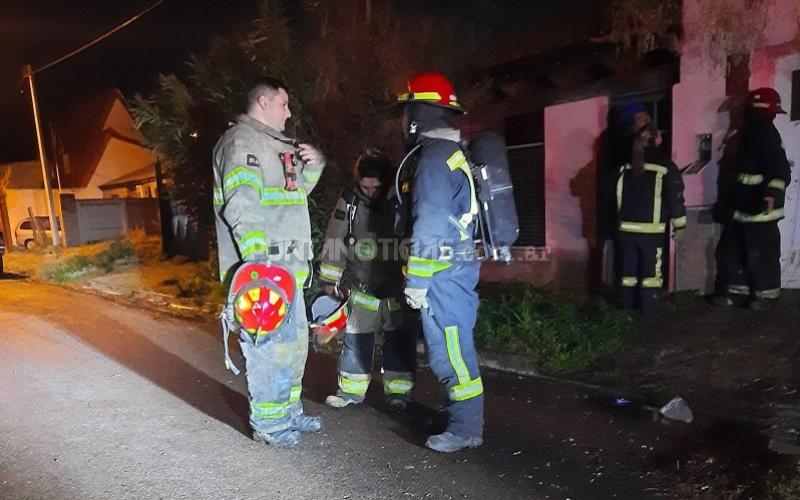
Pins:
x: 24, y: 232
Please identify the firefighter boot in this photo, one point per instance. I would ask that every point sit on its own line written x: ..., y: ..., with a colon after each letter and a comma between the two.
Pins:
x: 340, y: 400
x: 448, y: 443
x: 286, y: 438
x: 306, y: 423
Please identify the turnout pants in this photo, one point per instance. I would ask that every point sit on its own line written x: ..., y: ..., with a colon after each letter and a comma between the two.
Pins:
x: 753, y: 256
x: 369, y: 317
x: 641, y: 263
x: 447, y: 325
x: 275, y: 368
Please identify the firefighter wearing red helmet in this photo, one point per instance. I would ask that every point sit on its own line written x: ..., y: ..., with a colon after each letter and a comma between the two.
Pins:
x: 261, y: 182
x: 752, y: 246
x: 438, y: 203
x: 361, y: 254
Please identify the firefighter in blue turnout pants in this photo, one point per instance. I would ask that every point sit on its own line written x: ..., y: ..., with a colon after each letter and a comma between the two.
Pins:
x: 442, y: 269
x: 649, y: 195
x: 752, y: 249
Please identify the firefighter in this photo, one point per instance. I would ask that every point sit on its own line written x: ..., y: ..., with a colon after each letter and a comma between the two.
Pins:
x: 649, y: 195
x: 261, y: 182
x: 361, y: 255
x: 442, y: 270
x: 753, y: 245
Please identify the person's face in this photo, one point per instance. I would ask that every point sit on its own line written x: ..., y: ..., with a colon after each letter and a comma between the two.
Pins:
x: 641, y: 119
x: 371, y: 187
x: 275, y: 109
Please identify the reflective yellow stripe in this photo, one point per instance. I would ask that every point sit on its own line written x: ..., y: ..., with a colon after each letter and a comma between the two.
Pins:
x: 778, y: 184
x: 467, y: 390
x: 652, y: 283
x: 269, y: 411
x: 776, y: 214
x: 294, y: 397
x: 219, y: 198
x: 300, y: 277
x: 630, y: 281
x: 620, y: 181
x: 419, y: 96
x: 773, y: 293
x: 679, y: 222
x: 311, y: 175
x: 425, y: 268
x: 393, y: 304
x: 751, y: 179
x: 657, y: 196
x: 330, y: 272
x: 739, y: 290
x: 354, y: 384
x: 271, y: 196
x: 642, y: 227
x: 454, y: 353
x: 253, y: 242
x: 650, y: 167
x: 458, y: 161
x: 242, y: 176
x: 366, y: 301
x: 397, y: 385
x: 659, y: 253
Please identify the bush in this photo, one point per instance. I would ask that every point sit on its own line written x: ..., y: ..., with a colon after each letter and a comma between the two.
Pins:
x: 68, y: 269
x: 118, y: 250
x: 559, y: 332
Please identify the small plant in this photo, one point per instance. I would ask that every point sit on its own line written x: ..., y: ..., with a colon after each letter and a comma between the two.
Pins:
x: 107, y: 259
x: 68, y: 269
x: 559, y: 332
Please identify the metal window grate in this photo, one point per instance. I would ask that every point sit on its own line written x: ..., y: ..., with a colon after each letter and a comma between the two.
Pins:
x: 527, y: 175
x: 795, y: 109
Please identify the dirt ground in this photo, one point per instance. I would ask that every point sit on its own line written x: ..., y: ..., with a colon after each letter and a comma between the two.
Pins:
x: 738, y: 371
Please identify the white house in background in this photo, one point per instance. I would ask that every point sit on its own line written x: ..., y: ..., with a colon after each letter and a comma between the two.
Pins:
x: 99, y: 154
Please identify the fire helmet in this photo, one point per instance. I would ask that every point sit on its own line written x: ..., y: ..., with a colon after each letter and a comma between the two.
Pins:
x: 329, y: 314
x: 431, y: 87
x: 261, y: 296
x: 767, y: 98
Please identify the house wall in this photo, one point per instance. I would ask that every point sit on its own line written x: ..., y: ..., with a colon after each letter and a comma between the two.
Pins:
x: 120, y: 158
x: 701, y: 106
x: 572, y: 132
x: 18, y: 201
x: 121, y: 121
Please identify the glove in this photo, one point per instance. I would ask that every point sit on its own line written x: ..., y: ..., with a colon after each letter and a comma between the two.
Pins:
x: 416, y: 297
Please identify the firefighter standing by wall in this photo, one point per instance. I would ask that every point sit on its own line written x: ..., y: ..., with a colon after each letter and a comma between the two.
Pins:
x: 753, y: 246
x: 261, y: 215
x: 442, y: 269
x: 362, y: 255
x: 649, y: 194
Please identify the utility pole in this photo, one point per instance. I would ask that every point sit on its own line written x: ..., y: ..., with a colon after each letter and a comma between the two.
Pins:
x: 27, y: 72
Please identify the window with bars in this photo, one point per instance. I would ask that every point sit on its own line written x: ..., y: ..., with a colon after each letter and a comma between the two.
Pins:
x: 525, y: 140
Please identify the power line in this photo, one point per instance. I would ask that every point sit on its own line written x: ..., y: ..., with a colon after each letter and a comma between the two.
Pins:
x: 98, y: 39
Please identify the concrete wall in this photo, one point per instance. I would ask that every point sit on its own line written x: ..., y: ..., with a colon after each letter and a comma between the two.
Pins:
x: 572, y: 131
x: 701, y: 106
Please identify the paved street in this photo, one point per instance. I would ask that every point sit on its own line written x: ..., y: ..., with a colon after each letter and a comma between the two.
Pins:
x: 100, y: 400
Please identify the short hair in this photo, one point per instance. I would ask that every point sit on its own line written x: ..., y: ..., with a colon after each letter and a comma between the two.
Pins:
x: 267, y: 86
x: 373, y: 163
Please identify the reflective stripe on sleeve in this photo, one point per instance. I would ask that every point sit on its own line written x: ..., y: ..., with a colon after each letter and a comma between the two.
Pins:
x: 272, y: 196
x: 778, y: 184
x: 776, y: 214
x: 642, y: 227
x: 242, y: 176
x: 751, y: 179
x: 425, y: 268
x: 253, y: 242
x: 366, y: 301
x: 329, y: 272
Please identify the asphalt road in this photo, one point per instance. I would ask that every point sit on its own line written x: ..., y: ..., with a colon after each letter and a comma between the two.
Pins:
x: 102, y: 400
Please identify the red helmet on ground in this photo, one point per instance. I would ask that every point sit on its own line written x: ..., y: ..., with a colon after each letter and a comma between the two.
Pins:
x: 329, y: 314
x: 261, y: 295
x: 431, y: 87
x: 768, y: 99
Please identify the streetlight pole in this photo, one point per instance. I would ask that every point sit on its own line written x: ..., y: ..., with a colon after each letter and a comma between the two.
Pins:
x: 54, y: 227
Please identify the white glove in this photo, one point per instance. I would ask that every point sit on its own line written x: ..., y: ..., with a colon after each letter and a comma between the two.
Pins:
x: 416, y: 297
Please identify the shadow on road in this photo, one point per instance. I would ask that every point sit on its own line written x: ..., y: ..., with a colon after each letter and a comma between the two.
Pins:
x: 12, y: 276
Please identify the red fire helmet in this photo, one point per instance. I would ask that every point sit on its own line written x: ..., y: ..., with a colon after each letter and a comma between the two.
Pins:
x: 262, y: 295
x: 329, y: 314
x: 767, y: 98
x: 431, y: 87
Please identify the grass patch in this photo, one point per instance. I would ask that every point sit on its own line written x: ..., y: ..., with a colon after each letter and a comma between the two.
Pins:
x: 559, y: 332
x: 104, y: 259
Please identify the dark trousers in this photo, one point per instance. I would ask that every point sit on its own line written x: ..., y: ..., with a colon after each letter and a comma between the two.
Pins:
x: 399, y: 363
x: 752, y: 256
x: 641, y: 278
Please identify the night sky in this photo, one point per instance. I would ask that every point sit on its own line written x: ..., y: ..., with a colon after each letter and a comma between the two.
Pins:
x: 38, y: 31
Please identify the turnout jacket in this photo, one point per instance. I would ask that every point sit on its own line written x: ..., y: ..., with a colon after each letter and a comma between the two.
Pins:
x: 443, y: 207
x: 255, y: 215
x: 371, y: 264
x: 763, y: 171
x: 646, y: 202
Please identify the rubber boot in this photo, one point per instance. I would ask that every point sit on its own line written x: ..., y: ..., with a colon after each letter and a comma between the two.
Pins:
x: 306, y: 423
x: 448, y: 443
x: 286, y: 438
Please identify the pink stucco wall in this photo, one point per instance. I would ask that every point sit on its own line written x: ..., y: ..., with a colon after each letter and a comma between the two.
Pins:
x: 572, y: 131
x: 700, y: 106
